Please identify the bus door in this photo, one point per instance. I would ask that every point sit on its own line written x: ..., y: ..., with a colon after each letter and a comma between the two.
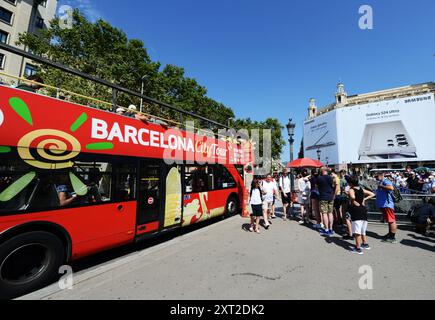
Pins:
x: 160, y: 196
x: 150, y: 196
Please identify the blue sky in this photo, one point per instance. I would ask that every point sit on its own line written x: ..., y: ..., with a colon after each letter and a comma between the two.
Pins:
x: 268, y: 58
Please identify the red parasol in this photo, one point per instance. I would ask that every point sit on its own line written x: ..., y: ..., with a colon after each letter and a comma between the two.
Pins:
x: 305, y: 163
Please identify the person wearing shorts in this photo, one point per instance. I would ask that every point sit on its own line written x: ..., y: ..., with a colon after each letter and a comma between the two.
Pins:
x: 286, y: 195
x: 269, y: 190
x: 326, y: 187
x: 385, y: 203
x: 359, y: 214
x: 256, y: 202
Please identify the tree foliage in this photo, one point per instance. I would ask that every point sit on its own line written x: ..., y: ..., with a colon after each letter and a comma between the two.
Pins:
x: 271, y: 124
x: 103, y: 51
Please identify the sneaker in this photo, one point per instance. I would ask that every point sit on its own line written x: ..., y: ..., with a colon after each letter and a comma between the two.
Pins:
x: 251, y: 229
x: 357, y: 251
x: 390, y: 240
x: 331, y: 233
x: 366, y: 247
x: 323, y: 232
x: 301, y: 222
x: 267, y: 226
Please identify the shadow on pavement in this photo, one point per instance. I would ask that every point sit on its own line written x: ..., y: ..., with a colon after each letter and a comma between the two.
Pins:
x: 246, y: 227
x: 119, y: 252
x: 339, y: 242
x: 373, y: 235
x: 421, y: 238
x: 416, y: 244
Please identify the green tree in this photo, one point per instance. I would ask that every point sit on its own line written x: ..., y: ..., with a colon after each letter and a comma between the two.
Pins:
x: 274, y: 125
x: 104, y: 51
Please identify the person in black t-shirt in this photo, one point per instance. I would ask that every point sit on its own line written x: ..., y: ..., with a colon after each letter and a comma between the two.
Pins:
x: 326, y: 188
x: 359, y: 214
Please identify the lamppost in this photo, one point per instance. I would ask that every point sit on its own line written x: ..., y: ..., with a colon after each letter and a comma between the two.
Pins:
x: 327, y: 161
x: 291, y: 126
x: 143, y: 87
x: 319, y: 154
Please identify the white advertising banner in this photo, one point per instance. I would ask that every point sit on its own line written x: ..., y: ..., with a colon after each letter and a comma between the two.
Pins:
x: 320, y: 137
x: 399, y: 130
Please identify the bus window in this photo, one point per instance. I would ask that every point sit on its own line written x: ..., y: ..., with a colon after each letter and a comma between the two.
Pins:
x: 241, y: 171
x: 197, y: 179
x: 92, y: 182
x: 125, y: 187
x: 18, y: 183
x: 223, y: 179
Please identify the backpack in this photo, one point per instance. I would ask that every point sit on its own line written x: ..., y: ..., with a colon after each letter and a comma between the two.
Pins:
x: 396, y: 195
x: 261, y: 193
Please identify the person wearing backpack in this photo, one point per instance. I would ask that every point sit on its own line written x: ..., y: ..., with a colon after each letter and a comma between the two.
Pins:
x: 385, y: 202
x: 256, y: 197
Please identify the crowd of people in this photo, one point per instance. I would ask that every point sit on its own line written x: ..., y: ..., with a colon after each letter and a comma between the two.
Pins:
x: 413, y: 181
x: 333, y: 199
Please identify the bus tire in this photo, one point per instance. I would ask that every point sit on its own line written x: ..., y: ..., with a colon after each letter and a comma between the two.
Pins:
x: 231, y: 208
x: 29, y: 262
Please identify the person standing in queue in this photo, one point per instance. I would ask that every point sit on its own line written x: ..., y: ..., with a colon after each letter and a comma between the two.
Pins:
x: 285, y: 187
x: 385, y: 202
x: 256, y: 202
x: 269, y: 190
x: 326, y: 187
x: 359, y: 214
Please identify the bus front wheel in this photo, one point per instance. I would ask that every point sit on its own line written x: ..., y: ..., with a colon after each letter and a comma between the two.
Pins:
x: 231, y: 207
x: 28, y: 262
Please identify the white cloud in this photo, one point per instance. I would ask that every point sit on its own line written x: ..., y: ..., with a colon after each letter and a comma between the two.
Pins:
x: 87, y: 7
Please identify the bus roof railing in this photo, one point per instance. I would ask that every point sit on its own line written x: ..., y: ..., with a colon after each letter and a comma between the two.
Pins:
x: 115, y: 88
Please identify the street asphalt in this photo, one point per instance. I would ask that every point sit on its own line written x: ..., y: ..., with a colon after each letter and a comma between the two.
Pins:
x: 224, y: 261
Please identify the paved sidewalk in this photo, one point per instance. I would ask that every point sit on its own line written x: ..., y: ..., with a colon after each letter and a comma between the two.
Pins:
x: 222, y: 261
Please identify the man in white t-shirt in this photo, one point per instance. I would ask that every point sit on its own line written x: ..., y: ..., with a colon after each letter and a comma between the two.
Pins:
x: 286, y: 195
x: 270, y: 190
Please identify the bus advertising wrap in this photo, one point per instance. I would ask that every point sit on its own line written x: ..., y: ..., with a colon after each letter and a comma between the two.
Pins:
x: 59, y: 131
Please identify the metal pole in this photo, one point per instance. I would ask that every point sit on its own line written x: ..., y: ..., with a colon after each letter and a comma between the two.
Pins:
x: 291, y: 160
x: 141, y: 99
x: 114, y: 99
x: 118, y: 88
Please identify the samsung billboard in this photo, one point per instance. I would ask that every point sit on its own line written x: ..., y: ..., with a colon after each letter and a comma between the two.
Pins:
x: 399, y: 130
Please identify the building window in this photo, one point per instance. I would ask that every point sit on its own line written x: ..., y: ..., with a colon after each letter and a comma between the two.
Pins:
x: 43, y: 3
x: 2, y: 61
x: 39, y: 23
x: 6, y: 15
x: 30, y: 70
x: 3, y: 36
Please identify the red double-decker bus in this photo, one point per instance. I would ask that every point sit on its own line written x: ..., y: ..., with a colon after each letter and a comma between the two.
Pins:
x: 75, y: 181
